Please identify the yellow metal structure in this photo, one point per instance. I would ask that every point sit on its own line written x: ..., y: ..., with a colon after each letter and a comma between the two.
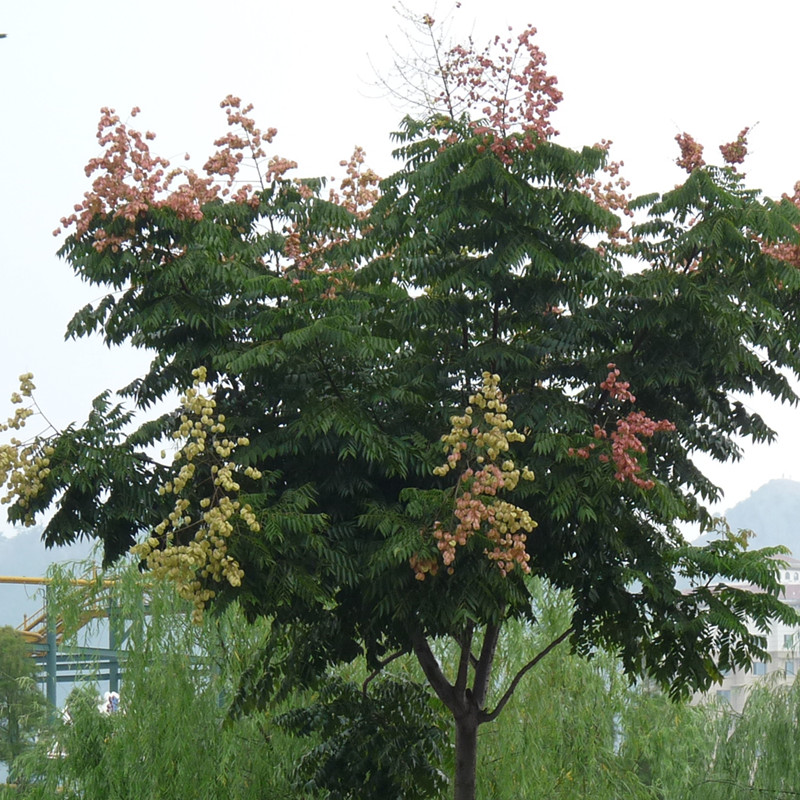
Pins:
x: 34, y: 628
x: 45, y: 633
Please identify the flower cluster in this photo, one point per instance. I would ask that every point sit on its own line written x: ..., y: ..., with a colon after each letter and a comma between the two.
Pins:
x: 691, y: 153
x: 787, y: 251
x: 359, y: 189
x: 24, y: 466
x: 691, y: 158
x: 357, y: 193
x: 130, y: 180
x: 626, y: 441
x: 228, y: 159
x: 619, y: 390
x: 192, y: 549
x: 308, y: 252
x: 611, y: 193
x: 626, y: 438
x: 483, y: 435
x: 735, y: 152
x: 226, y: 162
x: 505, y: 85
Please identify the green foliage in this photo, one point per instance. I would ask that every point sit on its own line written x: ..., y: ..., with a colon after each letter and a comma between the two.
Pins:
x: 343, y: 395
x: 575, y: 728
x: 559, y: 736
x: 174, y: 728
x: 578, y: 728
x: 21, y: 702
x: 351, y: 762
x: 168, y: 734
x: 758, y: 755
x: 670, y: 747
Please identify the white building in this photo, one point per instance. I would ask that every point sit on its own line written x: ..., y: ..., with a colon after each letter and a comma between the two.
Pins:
x: 783, y: 646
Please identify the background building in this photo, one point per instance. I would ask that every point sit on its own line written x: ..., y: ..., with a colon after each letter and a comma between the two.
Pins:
x: 783, y: 645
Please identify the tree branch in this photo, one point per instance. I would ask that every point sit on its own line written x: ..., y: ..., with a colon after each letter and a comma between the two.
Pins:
x: 747, y: 787
x: 381, y: 664
x: 488, y: 717
x: 328, y: 375
x: 442, y: 71
x: 463, y: 662
x: 433, y: 672
x: 483, y: 670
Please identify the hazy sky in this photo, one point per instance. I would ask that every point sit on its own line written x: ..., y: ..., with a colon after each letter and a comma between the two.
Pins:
x: 634, y: 72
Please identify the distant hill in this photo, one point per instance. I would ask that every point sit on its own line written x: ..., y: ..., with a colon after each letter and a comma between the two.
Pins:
x: 25, y: 555
x: 772, y: 513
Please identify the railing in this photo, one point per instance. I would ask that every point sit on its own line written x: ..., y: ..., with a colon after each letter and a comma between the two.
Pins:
x: 34, y: 628
x: 45, y: 634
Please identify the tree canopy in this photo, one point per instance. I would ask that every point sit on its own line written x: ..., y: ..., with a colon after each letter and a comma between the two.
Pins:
x: 326, y: 341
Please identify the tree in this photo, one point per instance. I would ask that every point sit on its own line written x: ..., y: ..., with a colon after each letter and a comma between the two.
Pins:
x: 21, y: 702
x: 336, y: 336
x: 167, y: 732
x: 584, y: 731
x: 755, y: 755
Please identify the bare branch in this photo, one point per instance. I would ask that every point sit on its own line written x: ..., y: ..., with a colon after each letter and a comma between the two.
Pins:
x: 419, y: 75
x: 433, y: 672
x: 483, y: 670
x: 381, y: 664
x: 488, y: 717
x: 442, y: 72
x: 464, y: 660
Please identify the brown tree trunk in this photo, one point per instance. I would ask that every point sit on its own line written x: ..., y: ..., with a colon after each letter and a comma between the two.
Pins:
x: 466, y: 756
x: 465, y: 704
x: 468, y: 706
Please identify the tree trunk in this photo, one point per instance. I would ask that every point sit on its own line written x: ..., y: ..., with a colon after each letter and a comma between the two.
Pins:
x: 468, y: 705
x: 466, y: 756
x: 465, y: 704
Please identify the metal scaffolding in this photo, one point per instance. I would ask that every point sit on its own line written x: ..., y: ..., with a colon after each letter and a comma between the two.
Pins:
x: 62, y: 663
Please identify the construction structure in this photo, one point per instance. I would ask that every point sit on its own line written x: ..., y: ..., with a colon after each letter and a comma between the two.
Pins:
x: 45, y: 632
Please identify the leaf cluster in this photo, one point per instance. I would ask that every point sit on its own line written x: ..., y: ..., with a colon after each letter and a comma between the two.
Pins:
x: 350, y: 762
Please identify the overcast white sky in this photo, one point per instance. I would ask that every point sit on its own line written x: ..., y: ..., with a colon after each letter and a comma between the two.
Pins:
x: 634, y: 72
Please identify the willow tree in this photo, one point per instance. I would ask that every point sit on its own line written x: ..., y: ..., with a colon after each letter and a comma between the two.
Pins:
x: 325, y: 342
x: 164, y: 731
x: 21, y: 702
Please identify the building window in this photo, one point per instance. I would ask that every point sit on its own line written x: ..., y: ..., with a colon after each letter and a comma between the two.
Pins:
x: 788, y: 641
x: 724, y: 694
x: 759, y: 668
x: 790, y: 667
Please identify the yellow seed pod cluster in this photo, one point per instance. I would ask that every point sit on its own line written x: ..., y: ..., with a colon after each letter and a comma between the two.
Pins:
x: 508, y: 533
x: 491, y: 434
x: 24, y: 466
x: 202, y: 557
x: 478, y: 439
